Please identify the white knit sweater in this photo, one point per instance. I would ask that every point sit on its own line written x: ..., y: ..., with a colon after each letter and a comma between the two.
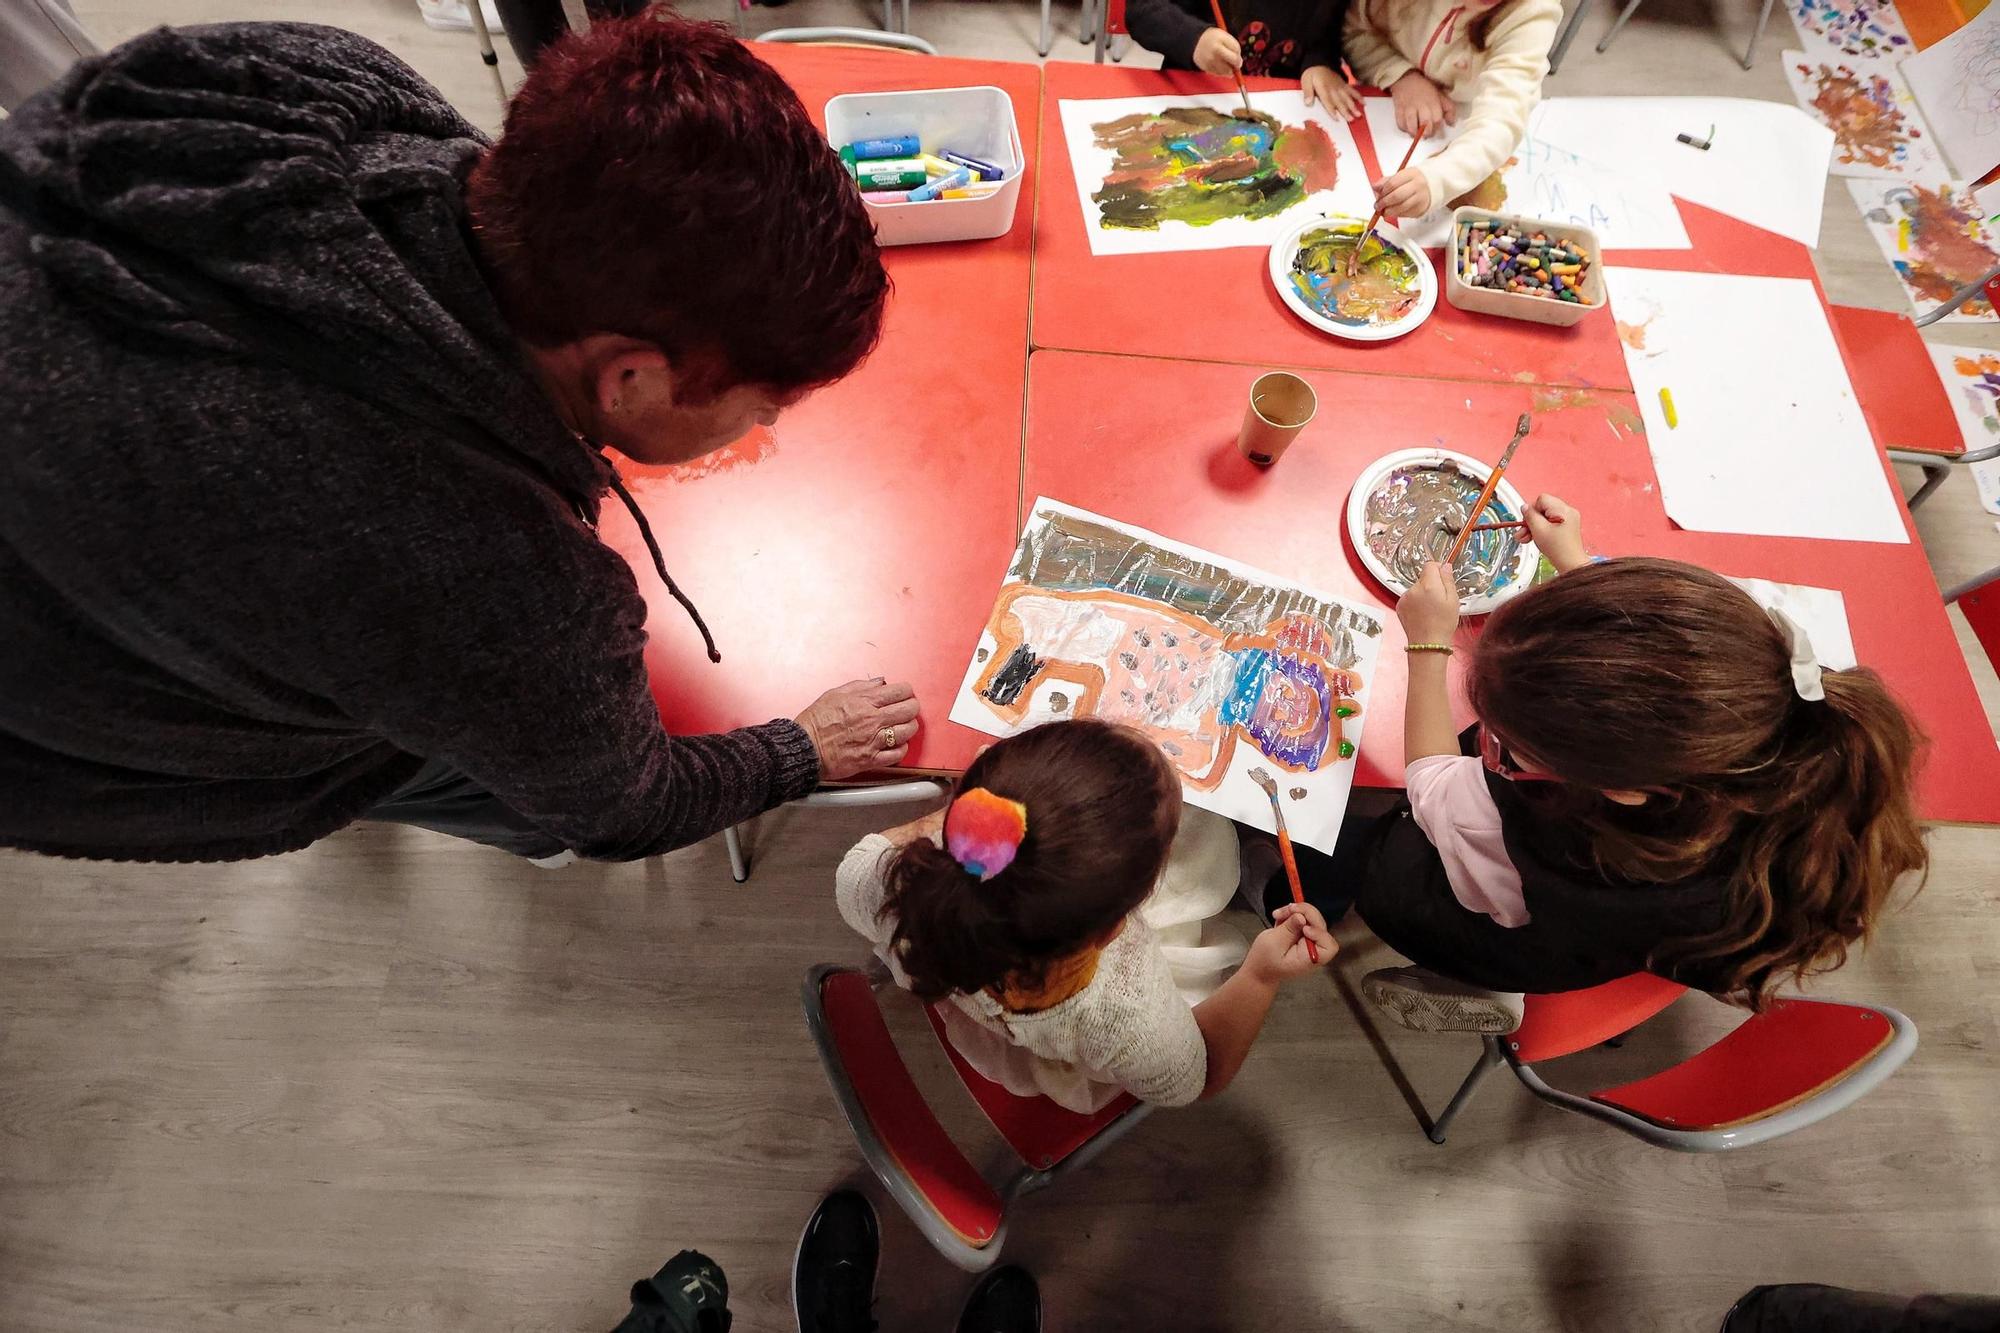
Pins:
x: 1130, y: 1030
x: 1496, y: 89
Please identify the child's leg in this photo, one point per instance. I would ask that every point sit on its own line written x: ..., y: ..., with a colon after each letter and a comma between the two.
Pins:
x: 1329, y: 879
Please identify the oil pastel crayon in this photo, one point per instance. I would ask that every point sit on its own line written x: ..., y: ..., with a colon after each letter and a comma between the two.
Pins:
x: 979, y: 191
x: 986, y: 171
x: 900, y: 174
x: 931, y: 190
x: 936, y: 165
x: 885, y: 196
x: 904, y: 145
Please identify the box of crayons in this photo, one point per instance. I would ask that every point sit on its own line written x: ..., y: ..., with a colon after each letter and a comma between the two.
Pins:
x: 933, y: 164
x: 1521, y: 268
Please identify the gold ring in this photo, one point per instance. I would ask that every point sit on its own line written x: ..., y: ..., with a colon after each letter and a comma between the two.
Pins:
x: 888, y: 738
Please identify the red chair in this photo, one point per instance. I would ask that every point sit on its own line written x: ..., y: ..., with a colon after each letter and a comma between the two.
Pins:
x: 1979, y: 600
x: 957, y: 1209
x: 1790, y: 1066
x: 1108, y: 18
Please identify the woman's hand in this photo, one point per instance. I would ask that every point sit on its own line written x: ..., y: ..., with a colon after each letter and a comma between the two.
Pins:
x: 1558, y: 531
x: 1421, y: 106
x: 1279, y: 954
x: 1429, y: 610
x: 1218, y: 53
x: 1324, y: 84
x: 862, y: 725
x: 1407, y: 194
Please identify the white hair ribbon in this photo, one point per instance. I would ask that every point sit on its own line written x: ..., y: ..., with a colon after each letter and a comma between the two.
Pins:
x: 1805, y: 665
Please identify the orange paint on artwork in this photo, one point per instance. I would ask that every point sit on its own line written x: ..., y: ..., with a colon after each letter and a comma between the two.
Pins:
x: 1490, y: 194
x: 1968, y: 366
x: 1945, y: 250
x: 754, y: 447
x: 1868, y: 128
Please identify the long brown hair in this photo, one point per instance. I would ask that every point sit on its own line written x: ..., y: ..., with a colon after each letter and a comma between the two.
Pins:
x: 1103, y: 806
x: 1655, y: 676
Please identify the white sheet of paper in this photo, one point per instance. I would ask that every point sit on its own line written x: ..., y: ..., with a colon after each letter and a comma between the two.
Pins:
x: 1099, y: 637
x: 1877, y: 129
x: 1092, y: 164
x: 1433, y: 229
x: 1851, y: 27
x: 1957, y: 83
x: 1553, y: 184
x: 1820, y: 612
x: 1946, y: 246
x: 1988, y: 199
x: 1769, y: 437
x: 1767, y: 163
x: 1971, y: 379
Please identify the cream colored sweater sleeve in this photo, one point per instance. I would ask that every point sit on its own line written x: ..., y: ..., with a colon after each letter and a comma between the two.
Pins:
x: 1371, y: 53
x: 1500, y: 99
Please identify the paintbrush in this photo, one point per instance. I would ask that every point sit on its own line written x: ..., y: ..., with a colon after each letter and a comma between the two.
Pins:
x: 1241, y: 87
x: 1375, y: 217
x: 1486, y: 493
x: 1498, y: 527
x: 1263, y: 779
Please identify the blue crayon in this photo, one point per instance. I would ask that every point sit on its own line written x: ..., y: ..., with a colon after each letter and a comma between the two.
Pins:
x: 933, y: 188
x: 908, y: 145
x: 985, y: 170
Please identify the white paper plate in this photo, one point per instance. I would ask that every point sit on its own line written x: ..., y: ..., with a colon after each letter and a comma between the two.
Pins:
x: 1525, y: 558
x: 1286, y: 248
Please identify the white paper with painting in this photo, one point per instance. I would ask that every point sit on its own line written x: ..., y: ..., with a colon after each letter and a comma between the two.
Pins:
x: 1158, y: 174
x: 1971, y: 379
x: 1768, y: 437
x: 1226, y: 667
x: 1934, y: 239
x: 1877, y: 129
x: 1869, y: 29
x: 1957, y: 83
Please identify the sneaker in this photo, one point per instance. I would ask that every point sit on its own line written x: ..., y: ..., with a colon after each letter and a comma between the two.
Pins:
x: 833, y: 1274
x: 689, y: 1292
x: 1426, y: 1002
x: 565, y: 857
x: 1006, y: 1300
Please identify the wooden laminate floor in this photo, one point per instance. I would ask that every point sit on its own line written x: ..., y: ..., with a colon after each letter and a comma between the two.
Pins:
x: 396, y: 1082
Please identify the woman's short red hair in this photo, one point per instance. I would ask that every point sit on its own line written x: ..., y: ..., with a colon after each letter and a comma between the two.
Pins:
x: 657, y: 180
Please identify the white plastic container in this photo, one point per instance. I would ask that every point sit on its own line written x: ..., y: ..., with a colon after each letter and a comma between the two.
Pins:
x: 978, y: 122
x: 1512, y: 305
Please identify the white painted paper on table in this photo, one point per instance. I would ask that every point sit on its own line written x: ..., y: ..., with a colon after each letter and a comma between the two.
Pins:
x: 1820, y: 612
x: 1225, y: 667
x: 1957, y: 83
x: 1851, y: 27
x: 1768, y: 436
x: 1766, y: 163
x: 1971, y: 379
x: 1877, y: 129
x: 1553, y: 184
x: 1934, y: 240
x: 1149, y: 185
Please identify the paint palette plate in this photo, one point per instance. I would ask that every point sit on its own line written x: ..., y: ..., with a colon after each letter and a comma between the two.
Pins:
x: 1370, y: 320
x: 1417, y: 492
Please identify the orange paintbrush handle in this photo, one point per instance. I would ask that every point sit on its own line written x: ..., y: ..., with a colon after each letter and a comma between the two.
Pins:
x: 1478, y: 507
x: 1215, y: 7
x: 1298, y: 889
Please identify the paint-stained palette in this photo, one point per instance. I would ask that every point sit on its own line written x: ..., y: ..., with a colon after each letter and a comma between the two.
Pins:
x: 1392, y: 290
x: 1406, y: 510
x: 1226, y: 668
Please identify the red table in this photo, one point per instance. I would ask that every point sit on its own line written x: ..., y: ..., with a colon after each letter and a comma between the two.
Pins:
x: 866, y: 534
x: 1152, y: 442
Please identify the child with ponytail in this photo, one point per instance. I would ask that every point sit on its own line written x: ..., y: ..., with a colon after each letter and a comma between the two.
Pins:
x: 1663, y: 779
x: 1020, y: 906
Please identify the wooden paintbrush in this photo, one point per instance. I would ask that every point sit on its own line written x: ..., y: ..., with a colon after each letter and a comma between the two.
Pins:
x: 1241, y: 87
x: 1486, y: 493
x: 1263, y: 779
x: 1355, y: 254
x: 1498, y: 527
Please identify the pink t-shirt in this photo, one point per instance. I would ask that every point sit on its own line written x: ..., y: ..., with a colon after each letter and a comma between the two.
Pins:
x: 1452, y: 806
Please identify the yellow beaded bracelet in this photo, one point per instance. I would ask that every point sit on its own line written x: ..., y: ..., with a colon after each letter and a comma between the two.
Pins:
x: 1444, y: 648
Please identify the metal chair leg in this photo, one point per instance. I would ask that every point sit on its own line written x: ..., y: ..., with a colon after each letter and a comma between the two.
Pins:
x: 1750, y: 52
x: 1090, y: 21
x: 1617, y: 23
x: 1103, y: 39
x: 888, y: 15
x: 906, y: 15
x: 1490, y: 1059
x: 739, y: 868
x: 1048, y: 30
x: 1568, y: 35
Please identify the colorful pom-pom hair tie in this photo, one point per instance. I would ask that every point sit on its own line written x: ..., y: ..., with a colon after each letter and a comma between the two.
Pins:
x: 983, y: 832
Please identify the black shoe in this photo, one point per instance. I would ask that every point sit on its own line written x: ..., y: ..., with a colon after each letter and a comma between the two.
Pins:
x: 833, y: 1275
x: 1005, y: 1301
x: 688, y: 1295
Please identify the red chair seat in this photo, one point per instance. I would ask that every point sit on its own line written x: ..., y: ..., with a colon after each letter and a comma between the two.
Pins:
x: 1774, y: 1060
x: 1982, y: 611
x: 1040, y: 1131
x: 1570, y: 1021
x: 901, y: 1120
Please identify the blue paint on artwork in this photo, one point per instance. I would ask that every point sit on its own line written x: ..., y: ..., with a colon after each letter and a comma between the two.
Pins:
x: 1283, y: 703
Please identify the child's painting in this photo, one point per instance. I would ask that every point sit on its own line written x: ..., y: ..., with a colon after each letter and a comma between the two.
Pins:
x: 1957, y: 82
x: 1225, y: 667
x: 1935, y: 239
x: 1876, y: 128
x: 1182, y: 173
x: 1552, y: 184
x: 1851, y: 27
x: 1971, y: 378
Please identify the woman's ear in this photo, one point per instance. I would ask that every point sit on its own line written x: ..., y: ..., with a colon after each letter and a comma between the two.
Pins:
x: 1626, y: 797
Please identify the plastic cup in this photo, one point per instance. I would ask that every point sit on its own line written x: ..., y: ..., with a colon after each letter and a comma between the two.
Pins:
x: 1281, y: 405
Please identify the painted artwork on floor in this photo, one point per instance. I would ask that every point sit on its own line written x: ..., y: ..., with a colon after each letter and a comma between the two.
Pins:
x: 1181, y: 173
x: 1957, y: 83
x: 1934, y: 238
x: 1971, y: 379
x: 1877, y: 130
x: 1851, y: 27
x: 1225, y: 667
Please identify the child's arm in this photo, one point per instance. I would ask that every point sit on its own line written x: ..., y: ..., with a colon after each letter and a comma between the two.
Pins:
x: 1517, y: 60
x: 1231, y: 1019
x: 1558, y: 532
x: 1429, y: 612
x: 1179, y: 36
x: 1320, y: 78
x: 1370, y: 54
